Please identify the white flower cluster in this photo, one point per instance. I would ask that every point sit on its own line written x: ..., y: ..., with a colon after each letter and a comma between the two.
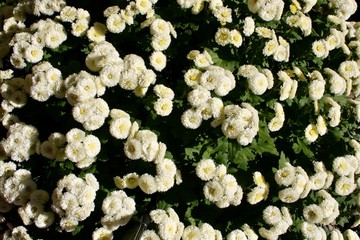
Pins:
x: 118, y: 209
x: 21, y: 142
x: 347, y: 234
x: 79, y: 19
x: 81, y: 149
x: 297, y: 182
x: 258, y: 81
x: 163, y: 105
x: 246, y: 232
x: 300, y: 20
x: 220, y: 188
x: 80, y: 87
x: 261, y: 190
x: 116, y: 18
x: 44, y: 82
x: 239, y: 122
x: 224, y: 36
x: 277, y: 47
x: 277, y: 122
x: 347, y: 168
x: 13, y: 94
x: 161, y: 32
x: 221, y: 12
x: 16, y: 185
x: 29, y: 46
x: 91, y: 113
x: 168, y: 223
x: 267, y: 10
x: 204, y: 231
x: 323, y: 213
x: 279, y: 219
x: 47, y: 7
x: 135, y: 76
x: 143, y: 144
x: 19, y: 232
x: 343, y: 8
x: 73, y: 199
x: 288, y: 88
x: 104, y: 58
x: 54, y: 147
x: 336, y: 39
x: 313, y: 131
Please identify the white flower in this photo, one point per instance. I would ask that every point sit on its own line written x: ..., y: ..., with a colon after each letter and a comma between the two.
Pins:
x: 167, y: 229
x: 102, y: 233
x: 115, y: 23
x: 257, y: 194
x: 147, y: 184
x: 158, y: 60
x: 68, y: 14
x: 342, y: 166
x: 143, y: 6
x: 349, y: 69
x: 160, y: 42
x: 258, y: 83
x: 320, y: 48
x: 159, y: 26
x: 132, y: 149
x: 223, y: 36
x: 97, y: 32
x: 163, y: 92
x: 270, y: 47
x: 272, y: 215
x: 205, y: 169
x: 213, y: 190
x: 33, y: 54
x: 203, y: 60
x: 316, y: 89
x: 44, y: 219
x: 235, y: 38
x: 223, y: 14
x: 79, y: 27
x: 344, y: 186
x: 150, y: 235
x: 191, y: 232
x: 249, y: 26
x: 236, y: 234
x: 311, y: 133
x: 313, y: 213
x: 163, y: 106
x: 192, y: 77
x: 92, y: 145
x: 288, y: 195
x: 120, y: 127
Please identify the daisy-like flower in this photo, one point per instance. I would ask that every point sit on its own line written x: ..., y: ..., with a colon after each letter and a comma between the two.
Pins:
x: 311, y: 133
x: 205, y: 169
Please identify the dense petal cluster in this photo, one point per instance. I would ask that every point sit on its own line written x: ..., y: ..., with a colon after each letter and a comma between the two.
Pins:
x: 73, y: 199
x: 21, y: 142
x: 220, y: 188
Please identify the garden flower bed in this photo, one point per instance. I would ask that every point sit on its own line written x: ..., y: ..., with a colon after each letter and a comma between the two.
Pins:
x: 187, y: 119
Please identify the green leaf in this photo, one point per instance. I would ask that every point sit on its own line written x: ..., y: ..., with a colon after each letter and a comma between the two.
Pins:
x: 305, y: 149
x: 283, y: 159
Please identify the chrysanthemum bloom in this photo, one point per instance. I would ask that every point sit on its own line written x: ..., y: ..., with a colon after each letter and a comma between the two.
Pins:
x: 205, y: 169
x: 272, y: 215
x: 320, y: 48
x: 311, y: 133
x: 313, y: 213
x: 344, y: 186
